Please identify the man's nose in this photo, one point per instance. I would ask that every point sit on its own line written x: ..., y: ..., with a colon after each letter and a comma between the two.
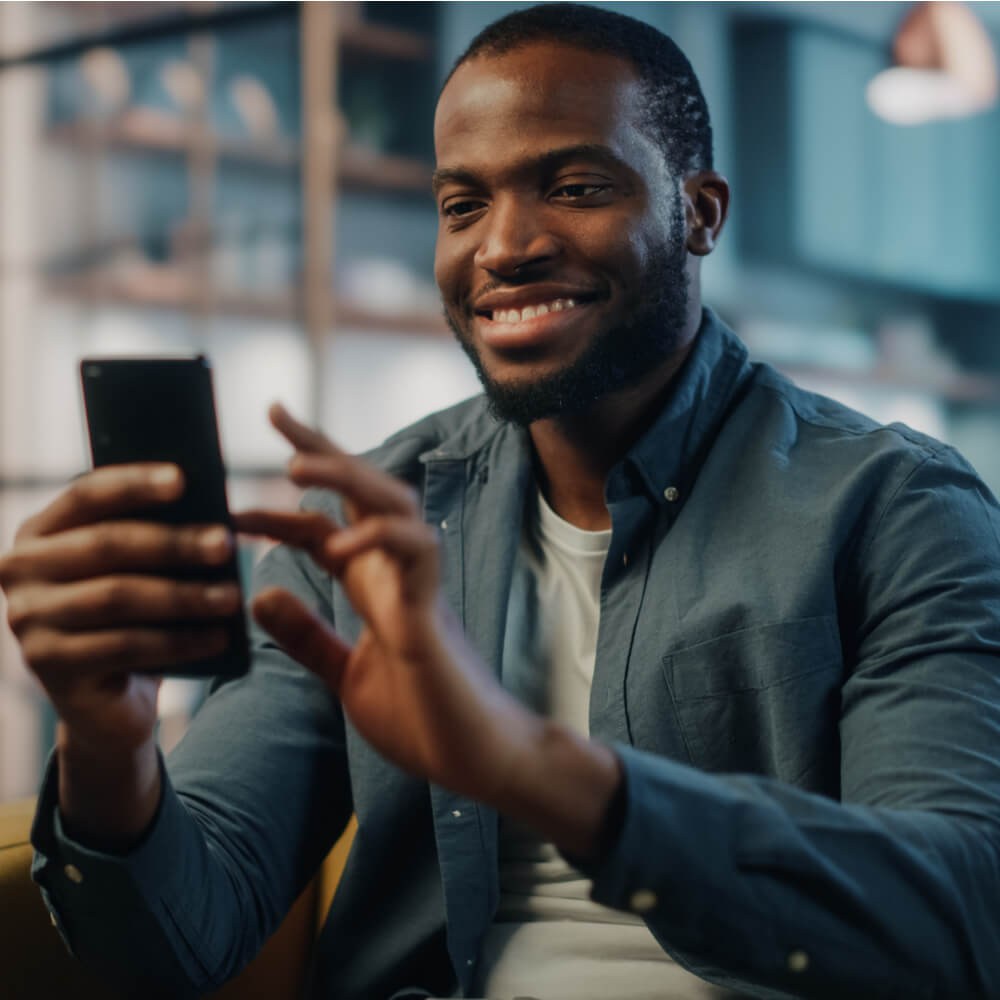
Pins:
x: 514, y: 237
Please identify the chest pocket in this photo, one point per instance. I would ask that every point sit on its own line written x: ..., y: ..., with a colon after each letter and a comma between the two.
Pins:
x: 763, y: 700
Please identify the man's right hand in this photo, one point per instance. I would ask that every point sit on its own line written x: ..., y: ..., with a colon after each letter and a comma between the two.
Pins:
x: 92, y: 603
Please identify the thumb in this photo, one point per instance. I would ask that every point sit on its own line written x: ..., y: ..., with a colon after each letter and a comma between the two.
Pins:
x: 302, y: 634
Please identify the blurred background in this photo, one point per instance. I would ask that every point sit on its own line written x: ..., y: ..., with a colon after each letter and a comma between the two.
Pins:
x: 252, y: 181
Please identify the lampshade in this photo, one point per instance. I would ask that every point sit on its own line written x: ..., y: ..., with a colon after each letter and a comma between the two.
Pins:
x: 946, y: 67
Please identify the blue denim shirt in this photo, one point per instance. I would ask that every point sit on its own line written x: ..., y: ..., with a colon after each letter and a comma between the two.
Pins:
x: 798, y: 663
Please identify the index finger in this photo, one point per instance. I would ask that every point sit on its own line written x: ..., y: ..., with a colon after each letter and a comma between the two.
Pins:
x: 319, y: 462
x: 299, y: 435
x: 107, y: 492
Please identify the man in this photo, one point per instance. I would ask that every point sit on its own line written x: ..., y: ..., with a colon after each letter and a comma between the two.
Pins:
x: 722, y: 656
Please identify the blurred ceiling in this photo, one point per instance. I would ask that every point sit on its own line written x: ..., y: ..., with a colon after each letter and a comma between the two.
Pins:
x: 873, y: 20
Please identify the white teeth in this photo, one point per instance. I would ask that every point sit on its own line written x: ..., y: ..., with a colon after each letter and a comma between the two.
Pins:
x: 530, y: 312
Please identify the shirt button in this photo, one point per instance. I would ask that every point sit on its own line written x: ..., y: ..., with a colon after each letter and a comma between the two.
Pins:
x: 642, y: 900
x: 798, y: 961
x: 73, y: 874
x: 457, y: 813
x: 444, y: 525
x: 671, y: 493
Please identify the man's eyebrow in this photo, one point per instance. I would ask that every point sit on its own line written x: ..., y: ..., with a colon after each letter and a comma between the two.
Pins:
x: 544, y: 162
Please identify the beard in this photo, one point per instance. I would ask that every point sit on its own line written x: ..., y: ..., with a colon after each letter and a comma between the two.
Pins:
x: 616, y: 358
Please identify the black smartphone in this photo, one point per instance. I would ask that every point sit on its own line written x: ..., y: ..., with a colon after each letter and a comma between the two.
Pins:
x: 163, y: 410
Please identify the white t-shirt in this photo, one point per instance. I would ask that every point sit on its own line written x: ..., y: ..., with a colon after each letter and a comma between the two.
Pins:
x: 549, y: 940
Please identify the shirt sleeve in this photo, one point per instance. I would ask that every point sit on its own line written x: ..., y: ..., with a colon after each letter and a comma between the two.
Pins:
x: 254, y: 797
x: 891, y: 891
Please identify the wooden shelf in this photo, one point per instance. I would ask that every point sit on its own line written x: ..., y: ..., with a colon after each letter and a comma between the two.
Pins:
x: 169, y: 287
x: 147, y: 130
x: 125, y: 23
x: 156, y: 287
x: 368, y: 38
x: 367, y: 170
x: 429, y: 324
x: 147, y: 22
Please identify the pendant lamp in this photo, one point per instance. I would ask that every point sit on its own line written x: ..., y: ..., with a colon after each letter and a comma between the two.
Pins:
x: 946, y: 67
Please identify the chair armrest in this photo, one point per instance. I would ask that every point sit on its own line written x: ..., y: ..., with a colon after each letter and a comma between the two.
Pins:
x: 280, y: 969
x: 34, y: 961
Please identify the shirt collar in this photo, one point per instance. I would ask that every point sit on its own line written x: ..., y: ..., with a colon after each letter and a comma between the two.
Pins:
x: 667, y: 457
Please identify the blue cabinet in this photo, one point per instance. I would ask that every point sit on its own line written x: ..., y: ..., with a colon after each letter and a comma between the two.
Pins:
x: 826, y: 184
x: 832, y: 213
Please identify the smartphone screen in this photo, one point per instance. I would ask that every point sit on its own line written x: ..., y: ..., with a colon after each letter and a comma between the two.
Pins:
x: 163, y: 410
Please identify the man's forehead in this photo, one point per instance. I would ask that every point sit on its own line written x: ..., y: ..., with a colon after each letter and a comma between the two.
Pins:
x: 538, y: 84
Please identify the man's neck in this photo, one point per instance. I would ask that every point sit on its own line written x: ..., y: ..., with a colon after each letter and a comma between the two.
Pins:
x: 575, y: 452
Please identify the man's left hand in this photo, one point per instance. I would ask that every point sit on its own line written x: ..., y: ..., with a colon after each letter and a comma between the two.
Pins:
x: 411, y: 684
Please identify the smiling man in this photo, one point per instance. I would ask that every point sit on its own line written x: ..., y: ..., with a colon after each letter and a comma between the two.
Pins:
x: 646, y: 675
x: 572, y: 222
x: 564, y: 262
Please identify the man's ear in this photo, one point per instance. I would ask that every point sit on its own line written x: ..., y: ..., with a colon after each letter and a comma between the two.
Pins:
x: 706, y: 205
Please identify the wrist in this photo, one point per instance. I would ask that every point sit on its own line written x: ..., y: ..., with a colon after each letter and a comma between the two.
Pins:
x: 568, y: 789
x: 106, y: 800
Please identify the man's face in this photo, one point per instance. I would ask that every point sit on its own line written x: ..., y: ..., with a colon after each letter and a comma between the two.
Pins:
x: 561, y: 242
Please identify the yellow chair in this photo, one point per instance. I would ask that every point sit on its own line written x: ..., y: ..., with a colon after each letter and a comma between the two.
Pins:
x: 34, y: 963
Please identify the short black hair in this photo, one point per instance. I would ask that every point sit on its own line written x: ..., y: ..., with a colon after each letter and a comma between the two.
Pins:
x: 677, y: 115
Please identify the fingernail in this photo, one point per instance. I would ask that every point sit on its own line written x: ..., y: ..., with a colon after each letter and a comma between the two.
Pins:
x: 215, y: 541
x: 164, y: 475
x: 221, y: 595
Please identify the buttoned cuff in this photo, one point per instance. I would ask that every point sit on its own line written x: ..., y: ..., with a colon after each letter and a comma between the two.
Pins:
x: 88, y: 890
x: 52, y: 843
x: 673, y: 863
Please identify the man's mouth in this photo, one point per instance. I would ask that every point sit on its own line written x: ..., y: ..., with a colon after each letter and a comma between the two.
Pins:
x: 513, y: 316
x: 533, y: 326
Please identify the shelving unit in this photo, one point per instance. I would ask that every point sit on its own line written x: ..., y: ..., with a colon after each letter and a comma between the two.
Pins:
x: 331, y: 35
x: 159, y: 271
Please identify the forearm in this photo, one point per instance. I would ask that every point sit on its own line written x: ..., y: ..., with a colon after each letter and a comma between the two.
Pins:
x: 563, y: 787
x: 106, y: 801
x: 135, y: 915
x: 760, y: 885
x: 122, y: 912
x: 254, y: 797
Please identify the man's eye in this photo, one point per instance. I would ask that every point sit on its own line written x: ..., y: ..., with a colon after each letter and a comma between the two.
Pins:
x: 573, y: 191
x: 457, y: 209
